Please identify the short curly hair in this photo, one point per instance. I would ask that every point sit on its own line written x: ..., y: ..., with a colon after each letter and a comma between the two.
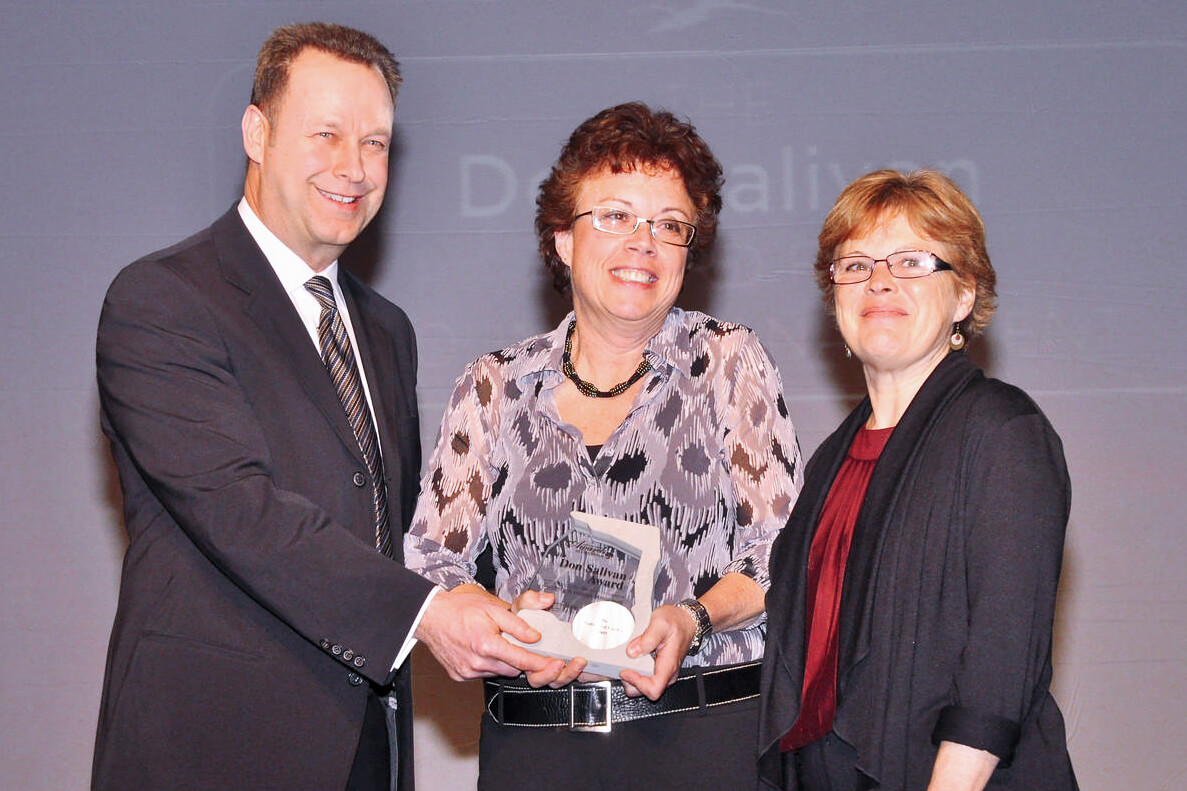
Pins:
x: 935, y: 208
x: 623, y: 139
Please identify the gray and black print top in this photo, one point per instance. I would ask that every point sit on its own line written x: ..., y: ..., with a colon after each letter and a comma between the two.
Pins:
x: 708, y: 454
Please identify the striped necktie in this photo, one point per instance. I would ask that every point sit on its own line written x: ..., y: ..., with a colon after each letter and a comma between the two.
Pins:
x: 338, y: 356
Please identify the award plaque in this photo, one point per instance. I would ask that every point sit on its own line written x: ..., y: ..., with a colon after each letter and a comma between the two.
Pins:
x: 602, y: 573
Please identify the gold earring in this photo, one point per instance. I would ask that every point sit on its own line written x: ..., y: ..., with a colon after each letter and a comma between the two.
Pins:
x: 957, y: 340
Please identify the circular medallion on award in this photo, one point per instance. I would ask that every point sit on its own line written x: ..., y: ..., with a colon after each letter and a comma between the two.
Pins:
x: 603, y: 624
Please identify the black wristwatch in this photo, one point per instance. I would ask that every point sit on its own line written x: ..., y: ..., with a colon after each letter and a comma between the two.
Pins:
x: 704, y: 625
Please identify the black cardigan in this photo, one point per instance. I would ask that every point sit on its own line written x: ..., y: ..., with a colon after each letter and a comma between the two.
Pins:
x: 949, y: 591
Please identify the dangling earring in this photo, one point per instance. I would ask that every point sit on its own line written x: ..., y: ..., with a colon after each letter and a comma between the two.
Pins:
x: 956, y: 342
x: 848, y: 352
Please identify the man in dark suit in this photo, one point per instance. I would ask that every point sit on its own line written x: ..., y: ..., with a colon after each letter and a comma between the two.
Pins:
x: 264, y: 427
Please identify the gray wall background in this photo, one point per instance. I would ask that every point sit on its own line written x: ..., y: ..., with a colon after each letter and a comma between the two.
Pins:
x: 1064, y: 121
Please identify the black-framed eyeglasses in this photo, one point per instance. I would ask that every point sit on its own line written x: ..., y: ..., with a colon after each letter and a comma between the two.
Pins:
x: 624, y: 223
x: 905, y: 264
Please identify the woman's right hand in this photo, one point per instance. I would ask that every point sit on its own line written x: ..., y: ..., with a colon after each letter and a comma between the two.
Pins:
x: 557, y: 673
x: 532, y: 600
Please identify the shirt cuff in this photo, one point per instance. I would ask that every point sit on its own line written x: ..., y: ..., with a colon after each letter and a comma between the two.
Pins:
x: 989, y: 732
x: 411, y: 641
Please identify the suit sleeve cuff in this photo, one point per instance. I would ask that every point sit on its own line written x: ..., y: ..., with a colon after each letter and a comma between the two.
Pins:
x: 988, y: 732
x: 410, y: 641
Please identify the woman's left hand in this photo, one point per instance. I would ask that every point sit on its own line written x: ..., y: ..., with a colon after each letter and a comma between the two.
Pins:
x: 733, y: 600
x: 668, y: 635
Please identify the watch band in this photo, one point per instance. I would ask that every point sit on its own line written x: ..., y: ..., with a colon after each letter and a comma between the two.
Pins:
x: 704, y: 624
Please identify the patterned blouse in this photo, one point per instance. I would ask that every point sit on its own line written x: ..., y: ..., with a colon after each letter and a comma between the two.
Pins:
x: 707, y: 453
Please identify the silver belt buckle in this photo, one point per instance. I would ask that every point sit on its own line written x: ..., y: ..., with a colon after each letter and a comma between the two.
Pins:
x: 599, y: 688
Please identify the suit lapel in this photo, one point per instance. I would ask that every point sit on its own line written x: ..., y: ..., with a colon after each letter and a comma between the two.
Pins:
x: 269, y: 307
x: 378, y: 360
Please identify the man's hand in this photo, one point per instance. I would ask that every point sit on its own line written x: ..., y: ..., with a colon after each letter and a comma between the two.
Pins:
x: 463, y: 629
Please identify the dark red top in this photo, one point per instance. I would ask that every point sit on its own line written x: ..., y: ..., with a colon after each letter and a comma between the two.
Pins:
x: 826, y: 573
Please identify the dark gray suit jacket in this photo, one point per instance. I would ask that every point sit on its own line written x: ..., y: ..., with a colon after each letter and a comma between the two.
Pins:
x: 255, y: 614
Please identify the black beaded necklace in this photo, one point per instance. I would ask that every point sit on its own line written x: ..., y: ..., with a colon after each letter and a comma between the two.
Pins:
x: 584, y: 387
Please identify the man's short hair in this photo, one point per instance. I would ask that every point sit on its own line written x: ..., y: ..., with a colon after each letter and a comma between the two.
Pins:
x: 286, y: 43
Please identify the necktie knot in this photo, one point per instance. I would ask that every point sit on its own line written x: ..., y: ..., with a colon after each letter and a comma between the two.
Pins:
x: 319, y: 287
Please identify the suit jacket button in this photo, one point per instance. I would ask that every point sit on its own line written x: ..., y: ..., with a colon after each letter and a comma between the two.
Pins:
x: 359, y: 661
x: 359, y: 479
x: 354, y: 679
x: 348, y: 655
x: 336, y: 650
x: 325, y: 644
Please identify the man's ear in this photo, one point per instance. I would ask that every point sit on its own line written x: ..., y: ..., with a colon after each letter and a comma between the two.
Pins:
x: 255, y: 133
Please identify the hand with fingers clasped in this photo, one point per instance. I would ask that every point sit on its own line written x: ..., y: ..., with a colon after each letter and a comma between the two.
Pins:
x: 667, y: 636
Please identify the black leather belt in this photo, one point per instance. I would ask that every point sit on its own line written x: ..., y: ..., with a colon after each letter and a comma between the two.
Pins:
x: 597, y: 705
